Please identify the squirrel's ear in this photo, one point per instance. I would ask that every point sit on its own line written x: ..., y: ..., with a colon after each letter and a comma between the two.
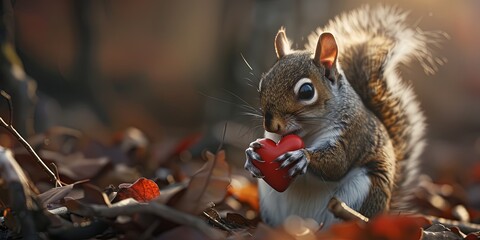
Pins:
x: 282, y: 46
x: 326, y: 52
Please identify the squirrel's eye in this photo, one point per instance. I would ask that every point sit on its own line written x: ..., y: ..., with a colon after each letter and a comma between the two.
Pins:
x: 306, y: 91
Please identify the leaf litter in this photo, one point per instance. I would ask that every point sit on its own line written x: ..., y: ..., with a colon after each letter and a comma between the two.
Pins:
x: 111, y: 199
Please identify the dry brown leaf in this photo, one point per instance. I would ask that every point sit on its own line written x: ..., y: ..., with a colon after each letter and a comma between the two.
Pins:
x: 440, y: 232
x: 207, y: 185
x: 56, y: 194
x: 76, y: 166
x: 79, y: 208
x: 94, y: 195
x: 167, y: 194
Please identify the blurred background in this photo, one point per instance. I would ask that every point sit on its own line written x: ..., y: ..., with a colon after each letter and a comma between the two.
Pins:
x: 176, y: 69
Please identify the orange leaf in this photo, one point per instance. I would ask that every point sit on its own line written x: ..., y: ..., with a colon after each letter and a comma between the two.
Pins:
x: 247, y: 193
x: 344, y: 230
x: 388, y: 227
x: 143, y: 190
x: 398, y: 227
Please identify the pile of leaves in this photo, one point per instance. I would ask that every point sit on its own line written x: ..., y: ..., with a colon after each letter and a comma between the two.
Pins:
x: 99, y: 192
x: 64, y: 185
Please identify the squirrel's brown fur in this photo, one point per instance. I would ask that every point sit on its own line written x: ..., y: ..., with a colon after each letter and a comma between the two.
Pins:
x: 363, y: 130
x: 373, y: 43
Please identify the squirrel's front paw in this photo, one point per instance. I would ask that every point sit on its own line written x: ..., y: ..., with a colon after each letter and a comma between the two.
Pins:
x: 251, y: 155
x: 298, y: 160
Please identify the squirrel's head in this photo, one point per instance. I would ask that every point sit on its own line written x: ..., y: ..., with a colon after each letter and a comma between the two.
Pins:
x: 297, y: 89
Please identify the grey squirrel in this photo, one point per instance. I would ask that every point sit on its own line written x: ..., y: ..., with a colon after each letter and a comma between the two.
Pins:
x: 361, y: 123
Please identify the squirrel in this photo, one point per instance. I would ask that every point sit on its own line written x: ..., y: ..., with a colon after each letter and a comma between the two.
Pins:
x: 362, y: 126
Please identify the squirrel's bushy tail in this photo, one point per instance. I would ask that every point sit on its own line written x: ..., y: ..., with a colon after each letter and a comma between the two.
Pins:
x: 372, y: 43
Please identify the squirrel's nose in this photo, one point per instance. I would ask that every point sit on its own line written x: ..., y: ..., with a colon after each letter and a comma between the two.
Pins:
x: 272, y: 124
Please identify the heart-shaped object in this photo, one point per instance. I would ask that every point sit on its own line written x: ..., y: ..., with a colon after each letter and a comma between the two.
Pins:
x: 277, y: 179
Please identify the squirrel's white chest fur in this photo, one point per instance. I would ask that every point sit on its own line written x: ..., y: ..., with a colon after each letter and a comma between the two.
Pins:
x: 308, y: 197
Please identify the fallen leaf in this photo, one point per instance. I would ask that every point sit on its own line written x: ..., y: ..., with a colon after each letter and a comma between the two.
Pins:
x: 387, y: 227
x: 56, y: 194
x: 169, y: 193
x: 398, y: 227
x: 76, y: 166
x: 457, y: 231
x: 344, y: 230
x: 31, y: 167
x: 439, y: 232
x: 244, y: 191
x: 143, y: 190
x: 93, y: 195
x: 207, y: 185
x: 473, y: 236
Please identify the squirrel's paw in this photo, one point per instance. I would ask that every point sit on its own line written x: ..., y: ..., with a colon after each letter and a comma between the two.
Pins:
x: 251, y: 155
x: 296, y: 159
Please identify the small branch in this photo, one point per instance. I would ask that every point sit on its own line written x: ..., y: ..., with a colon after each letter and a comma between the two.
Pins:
x: 161, y: 211
x: 26, y: 145
x: 215, y: 220
x: 340, y: 210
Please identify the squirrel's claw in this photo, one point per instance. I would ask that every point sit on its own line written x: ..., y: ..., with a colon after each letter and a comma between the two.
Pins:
x: 250, y: 151
x: 255, y: 145
x: 253, y: 170
x: 251, y: 155
x: 297, y: 158
x: 298, y: 169
x: 290, y: 157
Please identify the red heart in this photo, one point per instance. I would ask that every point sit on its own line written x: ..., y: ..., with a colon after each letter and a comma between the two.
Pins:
x: 277, y: 179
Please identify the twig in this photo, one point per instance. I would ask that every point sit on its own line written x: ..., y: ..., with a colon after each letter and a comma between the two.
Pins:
x: 340, y: 210
x: 161, y: 211
x: 26, y: 145
x: 220, y: 224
